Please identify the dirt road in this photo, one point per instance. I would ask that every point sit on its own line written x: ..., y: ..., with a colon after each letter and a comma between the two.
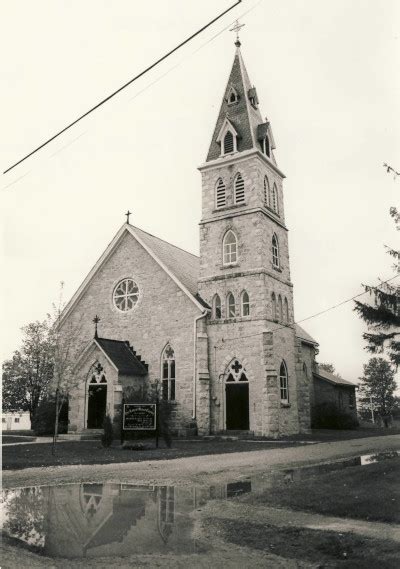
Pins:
x: 206, y: 469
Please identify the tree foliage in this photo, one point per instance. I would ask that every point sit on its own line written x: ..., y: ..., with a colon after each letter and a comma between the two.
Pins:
x: 330, y: 368
x: 27, y: 376
x: 383, y: 314
x: 378, y: 384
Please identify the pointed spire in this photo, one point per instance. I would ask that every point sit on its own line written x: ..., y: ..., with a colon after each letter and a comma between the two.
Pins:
x: 240, y: 107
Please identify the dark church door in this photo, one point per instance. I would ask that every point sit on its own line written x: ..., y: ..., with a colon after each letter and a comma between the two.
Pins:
x: 237, y: 406
x: 96, y: 405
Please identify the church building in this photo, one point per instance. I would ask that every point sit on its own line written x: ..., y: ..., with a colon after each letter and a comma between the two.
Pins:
x: 221, y: 338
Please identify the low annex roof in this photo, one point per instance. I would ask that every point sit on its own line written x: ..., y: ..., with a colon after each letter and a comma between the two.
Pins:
x: 122, y: 356
x: 331, y: 378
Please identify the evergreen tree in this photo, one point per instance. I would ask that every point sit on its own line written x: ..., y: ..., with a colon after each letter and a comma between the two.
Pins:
x: 383, y: 316
x: 377, y: 387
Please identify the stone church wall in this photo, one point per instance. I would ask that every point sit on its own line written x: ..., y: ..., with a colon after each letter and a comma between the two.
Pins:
x: 163, y: 314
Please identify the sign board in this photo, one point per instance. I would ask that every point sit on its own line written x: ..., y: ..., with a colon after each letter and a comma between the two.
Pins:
x: 139, y: 417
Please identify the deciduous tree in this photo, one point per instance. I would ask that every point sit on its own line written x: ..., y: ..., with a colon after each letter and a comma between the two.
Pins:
x: 377, y: 387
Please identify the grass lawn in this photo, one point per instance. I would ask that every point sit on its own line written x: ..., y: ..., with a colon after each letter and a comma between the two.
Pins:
x: 16, y: 439
x: 325, y: 548
x: 91, y: 452
x: 369, y: 492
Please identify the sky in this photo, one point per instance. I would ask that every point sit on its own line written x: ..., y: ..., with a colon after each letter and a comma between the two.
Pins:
x: 326, y: 74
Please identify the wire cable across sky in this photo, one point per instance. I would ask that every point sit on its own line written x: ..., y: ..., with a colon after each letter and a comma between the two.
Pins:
x: 103, y: 101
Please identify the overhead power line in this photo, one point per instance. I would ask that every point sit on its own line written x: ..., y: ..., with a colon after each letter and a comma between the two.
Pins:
x: 124, y: 86
x: 313, y: 315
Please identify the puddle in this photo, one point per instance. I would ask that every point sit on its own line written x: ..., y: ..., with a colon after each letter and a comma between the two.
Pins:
x: 106, y: 520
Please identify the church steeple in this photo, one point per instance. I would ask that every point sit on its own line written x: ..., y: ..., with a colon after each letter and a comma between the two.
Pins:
x: 240, y: 125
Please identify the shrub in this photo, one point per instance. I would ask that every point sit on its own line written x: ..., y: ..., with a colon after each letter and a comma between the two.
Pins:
x: 329, y: 416
x: 44, y: 419
x: 108, y: 436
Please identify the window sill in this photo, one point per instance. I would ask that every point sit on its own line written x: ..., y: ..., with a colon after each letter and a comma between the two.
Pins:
x: 277, y: 269
x: 229, y: 266
x: 285, y: 405
x: 228, y: 207
x: 271, y: 210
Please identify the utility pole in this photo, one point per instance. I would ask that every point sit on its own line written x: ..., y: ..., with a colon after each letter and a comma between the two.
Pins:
x: 372, y: 408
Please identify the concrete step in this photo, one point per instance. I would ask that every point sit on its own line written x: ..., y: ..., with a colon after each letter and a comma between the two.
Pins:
x: 84, y: 435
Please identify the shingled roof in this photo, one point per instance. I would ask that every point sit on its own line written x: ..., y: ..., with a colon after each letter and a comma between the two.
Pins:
x: 184, y: 265
x: 304, y: 336
x: 244, y: 116
x: 327, y: 376
x: 123, y: 356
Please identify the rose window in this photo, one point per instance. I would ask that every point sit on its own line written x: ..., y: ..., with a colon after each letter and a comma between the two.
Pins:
x: 126, y: 295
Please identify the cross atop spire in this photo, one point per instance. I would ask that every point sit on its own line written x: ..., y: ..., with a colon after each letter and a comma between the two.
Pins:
x: 128, y: 213
x: 236, y: 29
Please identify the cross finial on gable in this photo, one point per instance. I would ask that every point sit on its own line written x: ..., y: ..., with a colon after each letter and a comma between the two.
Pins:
x: 128, y: 213
x: 236, y: 29
x: 96, y: 320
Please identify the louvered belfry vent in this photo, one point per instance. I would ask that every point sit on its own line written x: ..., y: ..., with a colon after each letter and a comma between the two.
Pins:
x: 228, y: 143
x: 239, y: 189
x: 221, y: 193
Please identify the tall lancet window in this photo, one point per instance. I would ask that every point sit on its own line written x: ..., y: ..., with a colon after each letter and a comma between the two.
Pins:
x: 273, y: 306
x: 229, y: 248
x: 283, y: 381
x: 168, y: 373
x: 220, y: 193
x: 286, y: 311
x: 274, y: 199
x: 280, y: 310
x: 266, y: 147
x: 239, y: 189
x: 217, y: 307
x: 231, y: 305
x: 229, y: 145
x: 266, y: 191
x: 245, y: 303
x: 275, y: 252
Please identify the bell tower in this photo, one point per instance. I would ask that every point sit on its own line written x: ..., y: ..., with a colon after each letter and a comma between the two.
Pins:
x: 244, y: 260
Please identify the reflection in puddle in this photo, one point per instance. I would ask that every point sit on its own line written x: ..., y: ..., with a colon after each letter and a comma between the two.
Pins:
x: 96, y: 520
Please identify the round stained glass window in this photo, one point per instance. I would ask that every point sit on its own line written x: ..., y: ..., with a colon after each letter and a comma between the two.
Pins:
x: 126, y: 295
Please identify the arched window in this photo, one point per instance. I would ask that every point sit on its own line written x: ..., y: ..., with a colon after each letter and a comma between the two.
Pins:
x: 228, y: 143
x: 283, y: 383
x: 245, y: 302
x: 217, y: 307
x: 305, y: 371
x: 273, y: 306
x: 220, y: 193
x: 275, y: 252
x: 266, y: 148
x: 274, y: 199
x: 232, y: 96
x: 230, y: 301
x: 266, y: 191
x: 168, y: 373
x: 229, y: 248
x: 286, y: 311
x: 280, y: 311
x: 239, y: 189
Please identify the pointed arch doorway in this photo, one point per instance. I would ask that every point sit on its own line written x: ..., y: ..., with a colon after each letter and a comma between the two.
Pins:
x: 97, y: 399
x: 236, y: 398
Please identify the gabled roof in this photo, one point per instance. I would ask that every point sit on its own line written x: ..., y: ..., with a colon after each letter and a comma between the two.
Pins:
x: 331, y: 378
x: 181, y: 266
x: 242, y: 114
x: 185, y: 266
x: 122, y: 356
x: 304, y: 336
